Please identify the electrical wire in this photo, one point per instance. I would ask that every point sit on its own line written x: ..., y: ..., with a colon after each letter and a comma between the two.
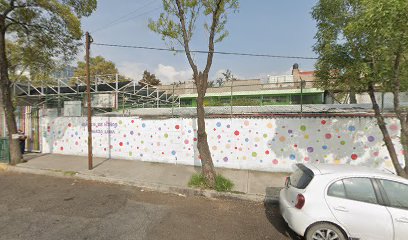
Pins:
x: 123, y: 18
x: 206, y: 52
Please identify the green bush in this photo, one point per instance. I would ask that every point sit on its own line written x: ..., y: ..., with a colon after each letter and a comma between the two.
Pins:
x: 222, y: 184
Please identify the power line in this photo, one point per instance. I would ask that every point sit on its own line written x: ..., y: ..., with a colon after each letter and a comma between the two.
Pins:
x: 121, y: 19
x: 206, y: 52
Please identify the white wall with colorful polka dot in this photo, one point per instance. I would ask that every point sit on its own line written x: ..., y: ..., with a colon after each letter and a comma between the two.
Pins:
x: 264, y: 144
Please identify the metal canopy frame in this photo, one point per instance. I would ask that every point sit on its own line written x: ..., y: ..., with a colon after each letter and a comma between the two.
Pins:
x: 127, y: 92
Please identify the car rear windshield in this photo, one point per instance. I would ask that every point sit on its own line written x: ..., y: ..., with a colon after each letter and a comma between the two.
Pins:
x: 301, y: 177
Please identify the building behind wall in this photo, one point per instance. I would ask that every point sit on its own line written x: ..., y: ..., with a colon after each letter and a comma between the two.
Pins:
x: 278, y: 90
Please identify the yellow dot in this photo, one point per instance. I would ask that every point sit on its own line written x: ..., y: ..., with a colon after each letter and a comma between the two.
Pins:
x: 306, y: 136
x: 269, y: 125
x: 337, y: 161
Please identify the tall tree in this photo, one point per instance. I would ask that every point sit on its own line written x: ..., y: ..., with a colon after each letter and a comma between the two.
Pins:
x: 52, y: 26
x: 363, y: 47
x: 30, y: 63
x: 149, y: 79
x: 98, y: 66
x: 178, y: 23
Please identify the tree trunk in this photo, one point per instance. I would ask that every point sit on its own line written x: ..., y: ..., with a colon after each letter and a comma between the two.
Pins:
x: 208, y: 170
x: 353, y: 99
x: 387, y: 139
x: 5, y: 96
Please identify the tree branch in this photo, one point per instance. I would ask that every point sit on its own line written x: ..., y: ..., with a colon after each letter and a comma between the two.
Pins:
x: 10, y: 9
x: 186, y: 40
x: 213, y: 28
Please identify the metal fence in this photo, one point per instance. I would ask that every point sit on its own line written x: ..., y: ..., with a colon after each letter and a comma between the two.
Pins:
x: 255, y: 97
x: 251, y: 96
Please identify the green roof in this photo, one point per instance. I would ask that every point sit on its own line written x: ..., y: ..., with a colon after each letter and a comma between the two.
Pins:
x: 255, y: 93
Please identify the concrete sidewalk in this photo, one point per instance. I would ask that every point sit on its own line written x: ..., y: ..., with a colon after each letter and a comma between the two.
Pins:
x: 157, y: 176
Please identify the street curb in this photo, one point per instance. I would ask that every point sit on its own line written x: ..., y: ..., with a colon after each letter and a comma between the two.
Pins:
x: 180, y: 191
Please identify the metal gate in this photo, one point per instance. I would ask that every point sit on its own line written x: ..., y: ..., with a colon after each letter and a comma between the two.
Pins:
x: 4, y: 150
x: 28, y: 121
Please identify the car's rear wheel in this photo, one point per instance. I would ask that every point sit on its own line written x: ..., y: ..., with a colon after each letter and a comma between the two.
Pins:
x: 325, y: 231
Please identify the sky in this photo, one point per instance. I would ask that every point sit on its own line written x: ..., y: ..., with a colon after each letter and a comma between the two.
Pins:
x: 276, y: 27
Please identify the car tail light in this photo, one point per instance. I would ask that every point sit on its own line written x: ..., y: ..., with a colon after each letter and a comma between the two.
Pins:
x: 287, y: 181
x: 300, y: 201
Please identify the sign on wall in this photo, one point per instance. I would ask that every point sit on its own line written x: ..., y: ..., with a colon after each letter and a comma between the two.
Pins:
x: 105, y: 100
x: 72, y: 108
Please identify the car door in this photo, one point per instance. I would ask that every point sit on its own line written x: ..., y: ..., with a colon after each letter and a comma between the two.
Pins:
x: 397, y: 204
x: 355, y: 204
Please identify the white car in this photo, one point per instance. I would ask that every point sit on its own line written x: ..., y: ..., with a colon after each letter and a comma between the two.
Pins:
x: 338, y: 202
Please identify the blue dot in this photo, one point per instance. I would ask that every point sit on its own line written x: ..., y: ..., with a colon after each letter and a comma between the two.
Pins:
x: 143, y: 125
x: 292, y: 157
x: 218, y: 124
x: 351, y: 128
x: 173, y: 152
x: 324, y: 147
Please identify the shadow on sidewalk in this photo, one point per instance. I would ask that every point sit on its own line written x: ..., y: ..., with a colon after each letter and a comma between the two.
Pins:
x: 99, y: 164
x: 31, y: 155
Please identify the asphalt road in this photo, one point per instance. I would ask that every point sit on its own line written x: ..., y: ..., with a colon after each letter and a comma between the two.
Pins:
x: 41, y: 207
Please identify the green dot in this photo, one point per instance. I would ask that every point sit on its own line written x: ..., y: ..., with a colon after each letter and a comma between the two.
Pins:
x: 130, y: 153
x: 254, y: 154
x: 342, y: 142
x: 120, y: 121
x: 265, y: 135
x: 303, y: 128
x: 166, y: 135
x: 142, y: 142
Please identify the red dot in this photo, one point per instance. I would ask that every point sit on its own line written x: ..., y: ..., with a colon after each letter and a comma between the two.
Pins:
x: 121, y: 144
x: 76, y: 143
x: 327, y: 135
x: 236, y: 133
x: 323, y: 122
x: 104, y: 149
x: 133, y: 121
x: 295, y: 145
x: 177, y: 126
x: 195, y: 139
x: 275, y: 161
x: 110, y: 146
x: 62, y: 148
x: 354, y: 156
x: 69, y: 125
x: 267, y: 152
x: 162, y: 152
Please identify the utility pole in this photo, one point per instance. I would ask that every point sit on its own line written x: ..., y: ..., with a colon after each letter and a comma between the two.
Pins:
x: 88, y: 92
